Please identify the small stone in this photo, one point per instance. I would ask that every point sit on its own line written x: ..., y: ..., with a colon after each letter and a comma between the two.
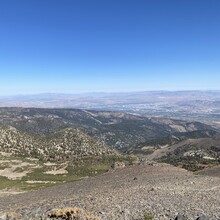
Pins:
x: 101, y: 213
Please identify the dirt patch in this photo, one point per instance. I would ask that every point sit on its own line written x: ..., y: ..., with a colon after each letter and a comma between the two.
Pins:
x: 11, y: 171
x: 32, y: 159
x: 11, y: 174
x: 57, y: 171
x: 38, y: 181
x: 50, y: 164
x: 5, y: 154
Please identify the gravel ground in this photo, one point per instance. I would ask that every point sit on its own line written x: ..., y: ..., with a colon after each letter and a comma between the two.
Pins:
x: 126, y: 193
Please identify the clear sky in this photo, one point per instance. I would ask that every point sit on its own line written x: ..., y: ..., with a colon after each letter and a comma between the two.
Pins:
x: 72, y: 46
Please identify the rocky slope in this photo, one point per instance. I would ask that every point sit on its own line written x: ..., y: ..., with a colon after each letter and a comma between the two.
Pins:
x: 131, y: 193
x: 213, y: 171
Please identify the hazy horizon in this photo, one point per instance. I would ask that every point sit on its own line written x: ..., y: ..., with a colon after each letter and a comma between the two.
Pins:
x: 106, y: 92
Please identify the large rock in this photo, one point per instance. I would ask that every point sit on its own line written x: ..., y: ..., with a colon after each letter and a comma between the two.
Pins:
x: 181, y: 217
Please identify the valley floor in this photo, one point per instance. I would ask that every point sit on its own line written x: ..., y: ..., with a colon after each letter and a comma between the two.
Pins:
x: 126, y: 193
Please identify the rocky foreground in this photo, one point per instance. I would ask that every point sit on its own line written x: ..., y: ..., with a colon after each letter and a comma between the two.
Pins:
x: 141, y: 191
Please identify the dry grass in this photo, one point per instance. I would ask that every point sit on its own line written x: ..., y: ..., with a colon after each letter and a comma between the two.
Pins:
x: 72, y: 213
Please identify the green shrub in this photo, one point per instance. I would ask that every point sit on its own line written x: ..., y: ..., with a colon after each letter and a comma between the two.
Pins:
x: 148, y: 216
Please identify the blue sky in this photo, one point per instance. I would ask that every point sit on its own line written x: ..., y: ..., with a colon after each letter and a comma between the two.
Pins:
x: 72, y: 46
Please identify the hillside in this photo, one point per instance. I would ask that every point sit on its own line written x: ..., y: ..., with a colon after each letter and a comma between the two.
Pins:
x: 121, y: 131
x: 192, y: 154
x: 60, y: 134
x: 61, y: 145
x: 213, y: 171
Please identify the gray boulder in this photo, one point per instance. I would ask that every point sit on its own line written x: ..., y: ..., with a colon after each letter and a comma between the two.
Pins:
x: 181, y: 217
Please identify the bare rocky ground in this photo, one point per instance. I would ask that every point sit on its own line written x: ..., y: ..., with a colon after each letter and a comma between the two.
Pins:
x: 126, y: 194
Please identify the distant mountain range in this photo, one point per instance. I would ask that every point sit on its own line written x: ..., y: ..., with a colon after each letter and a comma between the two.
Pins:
x: 203, y: 106
x: 100, y: 100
